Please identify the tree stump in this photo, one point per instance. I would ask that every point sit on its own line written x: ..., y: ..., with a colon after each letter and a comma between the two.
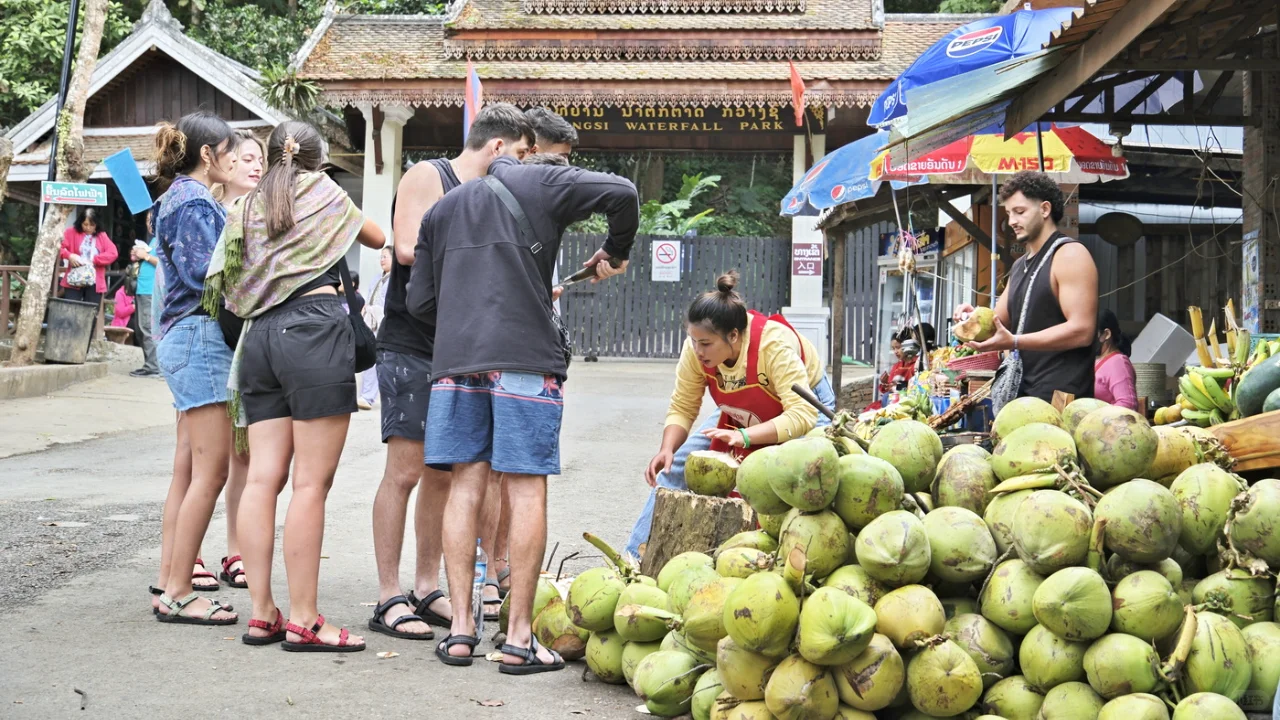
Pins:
x: 685, y: 522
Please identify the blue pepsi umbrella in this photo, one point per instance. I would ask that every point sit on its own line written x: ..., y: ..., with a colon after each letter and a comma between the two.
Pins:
x: 839, y: 177
x: 971, y: 47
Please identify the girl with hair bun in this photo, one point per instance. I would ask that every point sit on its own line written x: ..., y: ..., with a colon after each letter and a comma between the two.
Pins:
x: 748, y: 363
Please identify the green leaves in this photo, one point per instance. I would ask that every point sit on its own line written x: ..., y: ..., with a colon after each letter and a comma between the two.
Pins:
x: 284, y: 90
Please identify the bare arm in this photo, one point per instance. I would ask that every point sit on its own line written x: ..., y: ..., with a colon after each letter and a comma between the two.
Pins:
x: 419, y: 189
x: 371, y: 235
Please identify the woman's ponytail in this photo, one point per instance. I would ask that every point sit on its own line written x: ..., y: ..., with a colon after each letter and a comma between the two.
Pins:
x: 170, y: 151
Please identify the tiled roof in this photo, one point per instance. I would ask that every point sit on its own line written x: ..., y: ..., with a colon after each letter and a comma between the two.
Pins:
x: 817, y: 15
x: 96, y: 148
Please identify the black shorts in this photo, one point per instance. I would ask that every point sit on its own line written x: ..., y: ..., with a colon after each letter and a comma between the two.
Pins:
x: 404, y: 384
x: 299, y: 361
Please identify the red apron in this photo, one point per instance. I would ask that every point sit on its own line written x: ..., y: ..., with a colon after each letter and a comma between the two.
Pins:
x: 752, y: 403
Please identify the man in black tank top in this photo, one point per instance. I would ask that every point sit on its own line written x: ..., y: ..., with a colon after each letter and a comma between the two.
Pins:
x: 1057, y: 281
x: 405, y: 352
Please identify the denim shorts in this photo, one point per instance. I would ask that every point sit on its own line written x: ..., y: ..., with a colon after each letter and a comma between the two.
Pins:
x: 510, y: 420
x: 196, y: 361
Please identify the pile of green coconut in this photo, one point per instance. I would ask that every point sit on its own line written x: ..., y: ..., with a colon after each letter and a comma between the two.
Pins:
x: 1090, y: 567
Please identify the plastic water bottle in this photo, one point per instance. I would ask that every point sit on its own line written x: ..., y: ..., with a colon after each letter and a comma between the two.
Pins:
x: 477, y: 586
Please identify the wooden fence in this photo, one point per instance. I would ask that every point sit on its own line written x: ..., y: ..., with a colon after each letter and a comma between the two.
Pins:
x: 632, y: 316
x: 861, y: 287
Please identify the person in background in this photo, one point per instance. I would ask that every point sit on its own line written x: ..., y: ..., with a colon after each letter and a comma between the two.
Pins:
x: 86, y: 244
x: 905, y: 368
x: 372, y: 315
x: 1114, y: 380
x: 294, y: 373
x: 196, y: 154
x: 748, y: 363
x: 145, y: 255
x: 124, y: 308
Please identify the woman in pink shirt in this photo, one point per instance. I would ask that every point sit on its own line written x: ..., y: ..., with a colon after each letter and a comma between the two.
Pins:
x: 1113, y: 378
x: 86, y: 244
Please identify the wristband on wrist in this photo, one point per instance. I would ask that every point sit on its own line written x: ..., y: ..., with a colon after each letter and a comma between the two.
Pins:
x: 1015, y: 343
x: 746, y: 439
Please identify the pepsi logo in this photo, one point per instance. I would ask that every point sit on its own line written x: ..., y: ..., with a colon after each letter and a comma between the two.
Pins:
x: 813, y: 173
x: 972, y: 43
x: 795, y: 202
x: 890, y: 103
x: 837, y: 192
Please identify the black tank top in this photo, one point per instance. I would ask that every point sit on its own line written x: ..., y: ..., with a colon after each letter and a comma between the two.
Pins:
x: 1070, y: 371
x: 400, y: 331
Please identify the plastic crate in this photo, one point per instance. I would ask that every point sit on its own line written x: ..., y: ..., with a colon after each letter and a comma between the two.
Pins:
x: 981, y: 361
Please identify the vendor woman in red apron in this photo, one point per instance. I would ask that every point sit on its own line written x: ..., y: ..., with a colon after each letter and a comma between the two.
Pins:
x: 748, y: 362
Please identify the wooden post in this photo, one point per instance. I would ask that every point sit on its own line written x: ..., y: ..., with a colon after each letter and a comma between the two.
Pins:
x: 838, y: 271
x: 1061, y: 400
x: 685, y: 522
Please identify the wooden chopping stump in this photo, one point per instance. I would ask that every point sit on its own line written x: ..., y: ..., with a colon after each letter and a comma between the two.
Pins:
x: 685, y: 522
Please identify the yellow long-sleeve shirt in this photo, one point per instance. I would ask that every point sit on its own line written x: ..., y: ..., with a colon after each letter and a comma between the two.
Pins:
x: 779, y: 366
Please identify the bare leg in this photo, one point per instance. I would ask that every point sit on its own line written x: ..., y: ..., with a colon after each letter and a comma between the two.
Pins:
x: 210, y: 432
x: 173, y: 501
x: 528, y: 494
x: 466, y: 499
x: 390, y: 510
x: 271, y: 443
x: 428, y: 526
x: 317, y: 448
x: 501, y: 548
x: 489, y: 515
x: 237, y: 476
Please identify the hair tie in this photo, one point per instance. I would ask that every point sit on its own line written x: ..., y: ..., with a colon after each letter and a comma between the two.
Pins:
x: 291, y: 147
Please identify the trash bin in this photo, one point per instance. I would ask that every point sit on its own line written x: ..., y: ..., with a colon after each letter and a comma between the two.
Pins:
x: 69, y: 329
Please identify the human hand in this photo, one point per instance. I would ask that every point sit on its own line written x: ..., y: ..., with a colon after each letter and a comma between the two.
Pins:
x: 659, y: 464
x: 605, y: 265
x: 1001, y: 340
x: 732, y: 438
x: 556, y: 292
x: 76, y: 260
x: 961, y: 312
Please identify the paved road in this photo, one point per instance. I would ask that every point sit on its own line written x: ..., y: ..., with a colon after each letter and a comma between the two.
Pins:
x: 79, y: 542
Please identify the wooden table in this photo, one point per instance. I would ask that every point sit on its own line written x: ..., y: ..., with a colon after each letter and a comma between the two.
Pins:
x: 1253, y: 441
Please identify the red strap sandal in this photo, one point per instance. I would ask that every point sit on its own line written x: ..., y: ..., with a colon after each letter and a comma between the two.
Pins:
x: 275, y: 631
x: 229, y: 577
x: 311, y: 641
x: 202, y: 574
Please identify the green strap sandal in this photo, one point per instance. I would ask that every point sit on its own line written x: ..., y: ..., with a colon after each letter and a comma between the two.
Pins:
x: 176, y: 607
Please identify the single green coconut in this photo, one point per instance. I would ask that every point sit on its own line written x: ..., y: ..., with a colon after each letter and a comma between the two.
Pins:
x: 555, y: 630
x: 1174, y: 455
x: 1145, y: 605
x: 1205, y: 705
x: 894, y: 549
x: 665, y: 681
x: 821, y: 535
x: 771, y: 525
x: 751, y: 539
x: 1051, y: 531
x: 988, y: 645
x: 1032, y: 449
x: 704, y: 615
x: 1012, y: 697
x: 835, y: 627
x: 634, y: 628
x: 604, y: 656
x: 847, y: 713
x: 909, y: 614
x: 543, y: 592
x: 963, y: 478
x: 869, y: 488
x: 943, y: 680
x: 873, y: 679
x: 1048, y: 661
x: 999, y: 517
x: 857, y: 582
x: 1115, y: 445
x: 1007, y: 598
x: 1238, y: 595
x: 637, y: 623
x: 1021, y: 412
x: 742, y: 672
x: 1120, y: 664
x: 1144, y: 521
x: 753, y: 481
x: 1073, y: 603
x: 961, y: 549
x: 913, y: 448
x: 1117, y: 568
x: 761, y: 614
x: 1204, y: 493
x: 801, y: 690
x: 675, y: 640
x: 954, y: 606
x: 1219, y: 658
x: 743, y: 562
x: 1140, y: 706
x: 1071, y: 701
x: 1076, y: 410
x: 593, y: 597
x: 805, y: 473
x: 734, y: 710
x: 1263, y: 641
x: 632, y: 654
x: 688, y: 582
x: 705, y: 693
x: 1255, y: 522
x: 979, y: 326
x: 679, y: 564
x: 708, y: 472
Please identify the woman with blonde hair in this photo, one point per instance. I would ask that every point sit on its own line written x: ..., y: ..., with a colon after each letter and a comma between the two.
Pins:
x: 278, y: 266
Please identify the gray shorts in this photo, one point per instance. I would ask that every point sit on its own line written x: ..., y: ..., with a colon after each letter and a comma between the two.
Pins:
x: 404, y: 382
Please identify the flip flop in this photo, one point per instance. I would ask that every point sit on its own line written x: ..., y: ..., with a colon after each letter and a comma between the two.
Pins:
x: 311, y: 641
x: 230, y: 577
x: 377, y: 624
x: 532, y: 665
x: 175, y: 616
x: 442, y: 650
x: 422, y: 608
x: 492, y: 616
x: 275, y: 631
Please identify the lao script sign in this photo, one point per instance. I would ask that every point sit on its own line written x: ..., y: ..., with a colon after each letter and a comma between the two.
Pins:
x: 806, y: 259
x: 65, y: 193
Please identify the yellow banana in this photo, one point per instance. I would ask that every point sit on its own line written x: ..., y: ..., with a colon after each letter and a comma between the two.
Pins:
x: 1197, y: 396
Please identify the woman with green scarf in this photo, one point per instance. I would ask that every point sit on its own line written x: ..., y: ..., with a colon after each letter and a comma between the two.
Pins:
x: 293, y: 377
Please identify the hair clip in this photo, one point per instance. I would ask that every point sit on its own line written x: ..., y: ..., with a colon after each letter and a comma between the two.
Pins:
x: 291, y: 146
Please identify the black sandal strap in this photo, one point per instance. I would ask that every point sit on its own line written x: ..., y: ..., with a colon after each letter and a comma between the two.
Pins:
x: 155, y: 590
x: 395, y: 624
x: 530, y: 654
x: 390, y: 603
x: 470, y: 641
x: 424, y: 605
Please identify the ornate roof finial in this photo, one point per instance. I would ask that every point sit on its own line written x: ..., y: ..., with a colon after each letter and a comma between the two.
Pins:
x: 158, y: 14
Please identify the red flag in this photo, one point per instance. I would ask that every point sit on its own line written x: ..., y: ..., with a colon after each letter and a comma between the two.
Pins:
x: 797, y: 93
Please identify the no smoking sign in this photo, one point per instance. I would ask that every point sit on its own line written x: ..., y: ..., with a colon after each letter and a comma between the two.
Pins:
x: 666, y: 260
